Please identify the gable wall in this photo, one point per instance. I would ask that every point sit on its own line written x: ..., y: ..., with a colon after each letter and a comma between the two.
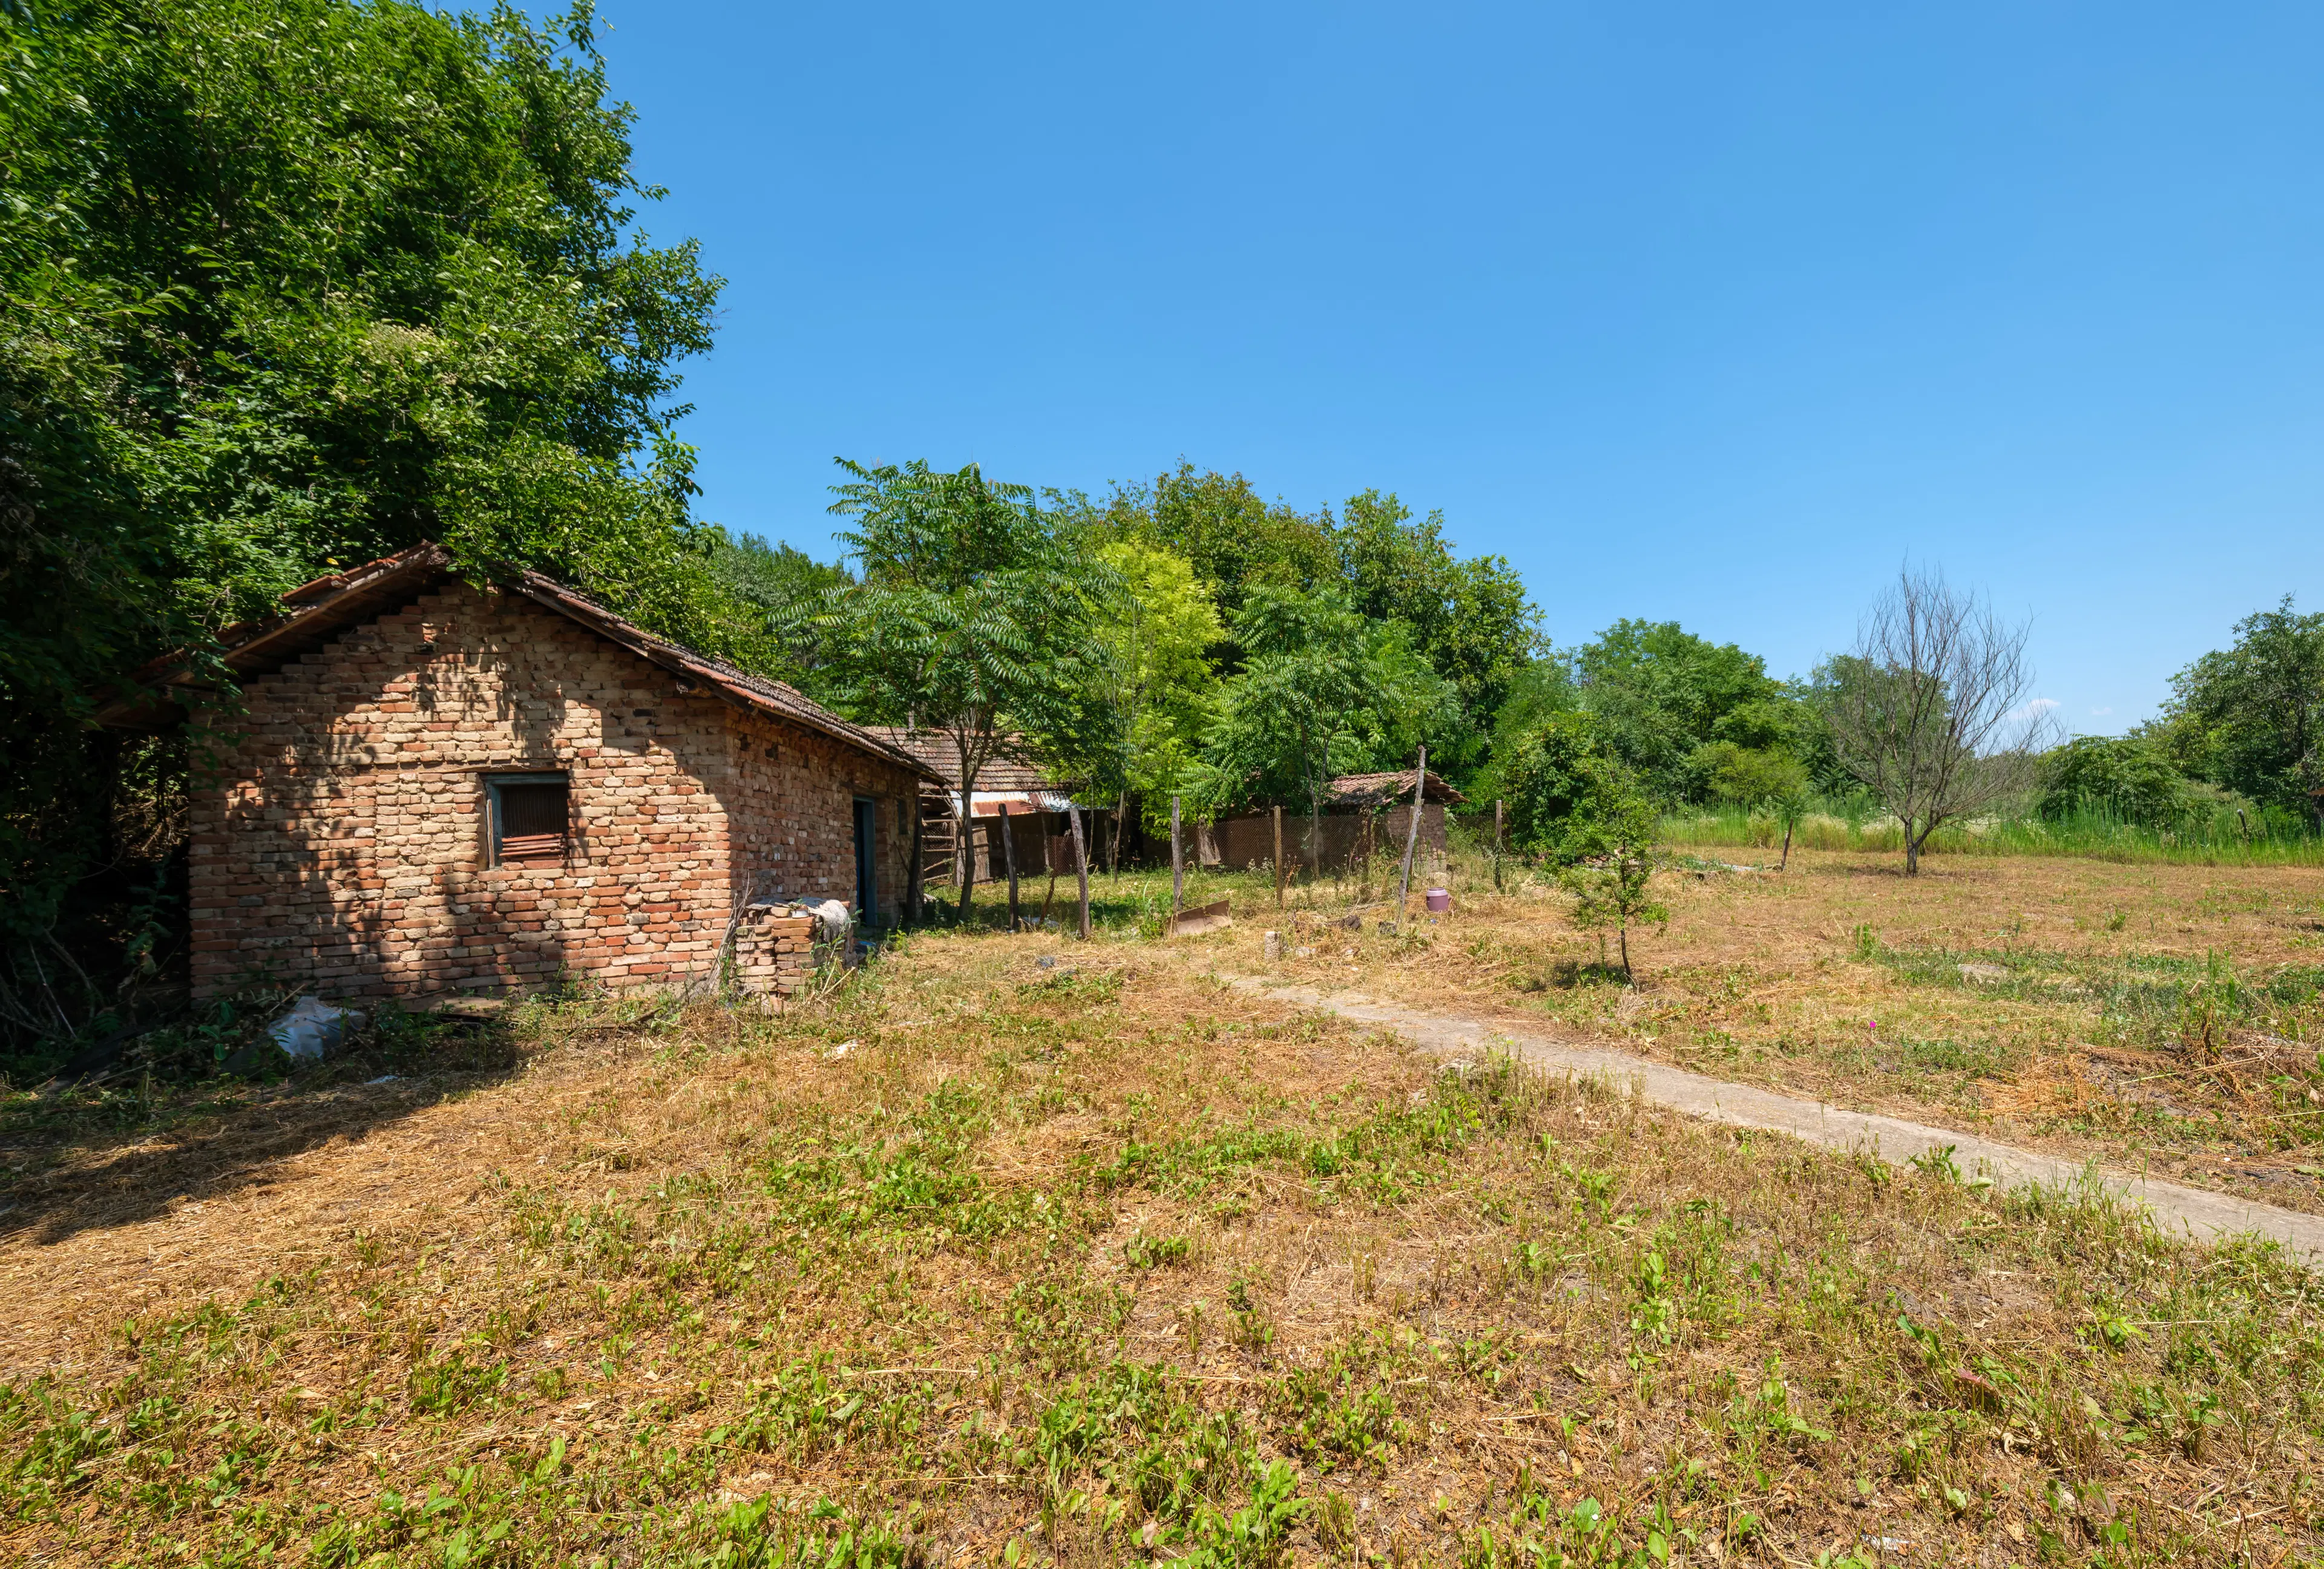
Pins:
x: 779, y: 807
x: 343, y: 844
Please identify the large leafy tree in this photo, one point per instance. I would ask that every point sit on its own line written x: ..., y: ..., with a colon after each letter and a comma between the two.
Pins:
x: 786, y: 591
x: 1469, y: 618
x: 2251, y: 717
x: 322, y: 279
x: 1235, y: 540
x: 1323, y: 692
x: 1660, y: 692
x: 971, y: 618
x: 290, y: 285
x: 1153, y: 631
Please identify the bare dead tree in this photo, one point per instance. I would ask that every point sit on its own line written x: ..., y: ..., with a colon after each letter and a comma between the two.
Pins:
x: 1930, y: 708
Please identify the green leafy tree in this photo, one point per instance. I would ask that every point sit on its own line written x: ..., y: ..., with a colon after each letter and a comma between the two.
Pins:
x: 790, y: 593
x: 1471, y: 619
x: 1745, y: 776
x: 1616, y: 888
x: 1542, y: 687
x: 1558, y: 778
x: 971, y: 618
x: 288, y: 287
x: 1321, y: 692
x: 2251, y: 717
x: 778, y: 578
x: 1790, y: 804
x: 1411, y: 705
x: 1769, y: 779
x: 1660, y: 692
x: 1235, y: 541
x: 1578, y: 808
x: 1153, y: 633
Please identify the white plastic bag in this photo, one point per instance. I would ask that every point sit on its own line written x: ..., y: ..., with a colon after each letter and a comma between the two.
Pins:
x: 312, y: 1028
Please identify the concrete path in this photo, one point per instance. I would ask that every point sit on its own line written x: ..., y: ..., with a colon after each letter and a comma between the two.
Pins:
x: 2203, y: 1213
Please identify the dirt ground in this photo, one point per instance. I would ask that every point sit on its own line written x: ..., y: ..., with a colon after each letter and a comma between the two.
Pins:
x: 995, y: 1260
x: 2158, y: 1017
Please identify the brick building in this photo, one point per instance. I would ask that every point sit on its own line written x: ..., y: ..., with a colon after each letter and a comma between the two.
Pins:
x: 431, y: 787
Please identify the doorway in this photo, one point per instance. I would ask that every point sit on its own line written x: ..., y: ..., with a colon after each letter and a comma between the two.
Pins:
x: 867, y: 840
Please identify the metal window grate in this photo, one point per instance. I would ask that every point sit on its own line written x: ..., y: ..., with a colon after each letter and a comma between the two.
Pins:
x: 531, y: 817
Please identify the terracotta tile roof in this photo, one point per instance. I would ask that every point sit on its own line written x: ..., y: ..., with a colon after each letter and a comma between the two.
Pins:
x: 1364, y: 789
x: 328, y: 605
x: 936, y: 750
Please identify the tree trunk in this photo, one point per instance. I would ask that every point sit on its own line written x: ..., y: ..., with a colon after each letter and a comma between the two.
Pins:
x: 1279, y: 858
x: 1912, y: 850
x: 1786, y: 861
x: 1623, y: 933
x: 1121, y: 819
x: 967, y: 843
x: 1314, y: 828
x: 1049, y: 865
x: 1081, y: 862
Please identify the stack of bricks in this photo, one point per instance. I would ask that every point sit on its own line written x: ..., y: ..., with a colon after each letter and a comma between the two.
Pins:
x: 774, y: 954
x: 343, y: 843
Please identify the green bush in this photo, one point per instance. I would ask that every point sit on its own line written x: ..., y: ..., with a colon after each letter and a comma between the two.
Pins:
x: 1569, y: 799
x: 2127, y: 778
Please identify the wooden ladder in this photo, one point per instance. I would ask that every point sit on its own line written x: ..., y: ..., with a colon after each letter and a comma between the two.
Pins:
x: 939, y: 844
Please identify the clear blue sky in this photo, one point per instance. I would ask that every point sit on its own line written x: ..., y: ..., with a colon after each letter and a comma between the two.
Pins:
x: 1709, y: 313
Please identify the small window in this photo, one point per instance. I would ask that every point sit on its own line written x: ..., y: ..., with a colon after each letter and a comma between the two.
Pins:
x: 531, y: 817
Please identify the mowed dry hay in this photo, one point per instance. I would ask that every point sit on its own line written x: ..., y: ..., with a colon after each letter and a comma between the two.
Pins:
x: 990, y: 1262
x: 2070, y: 1034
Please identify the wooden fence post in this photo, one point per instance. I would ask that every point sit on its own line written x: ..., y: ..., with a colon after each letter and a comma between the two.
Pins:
x: 1049, y: 865
x: 1008, y: 854
x: 1177, y: 862
x: 1411, y: 838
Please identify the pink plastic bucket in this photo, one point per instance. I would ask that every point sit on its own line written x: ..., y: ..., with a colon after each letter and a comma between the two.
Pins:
x: 1440, y: 900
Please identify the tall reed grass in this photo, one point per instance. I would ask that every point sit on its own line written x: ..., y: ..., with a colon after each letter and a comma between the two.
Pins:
x: 2217, y: 840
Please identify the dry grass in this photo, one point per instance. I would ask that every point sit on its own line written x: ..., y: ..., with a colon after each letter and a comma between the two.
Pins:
x: 994, y: 1263
x: 2159, y: 1017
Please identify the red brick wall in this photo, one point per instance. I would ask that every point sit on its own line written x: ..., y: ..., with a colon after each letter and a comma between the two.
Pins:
x: 341, y: 843
x: 786, y: 809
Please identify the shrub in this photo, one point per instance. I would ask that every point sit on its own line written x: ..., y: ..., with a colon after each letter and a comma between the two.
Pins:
x: 1569, y: 799
x: 2121, y: 774
x: 2126, y: 779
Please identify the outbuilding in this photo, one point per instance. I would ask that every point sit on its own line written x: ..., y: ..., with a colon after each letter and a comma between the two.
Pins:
x: 426, y: 787
x: 1364, y: 815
